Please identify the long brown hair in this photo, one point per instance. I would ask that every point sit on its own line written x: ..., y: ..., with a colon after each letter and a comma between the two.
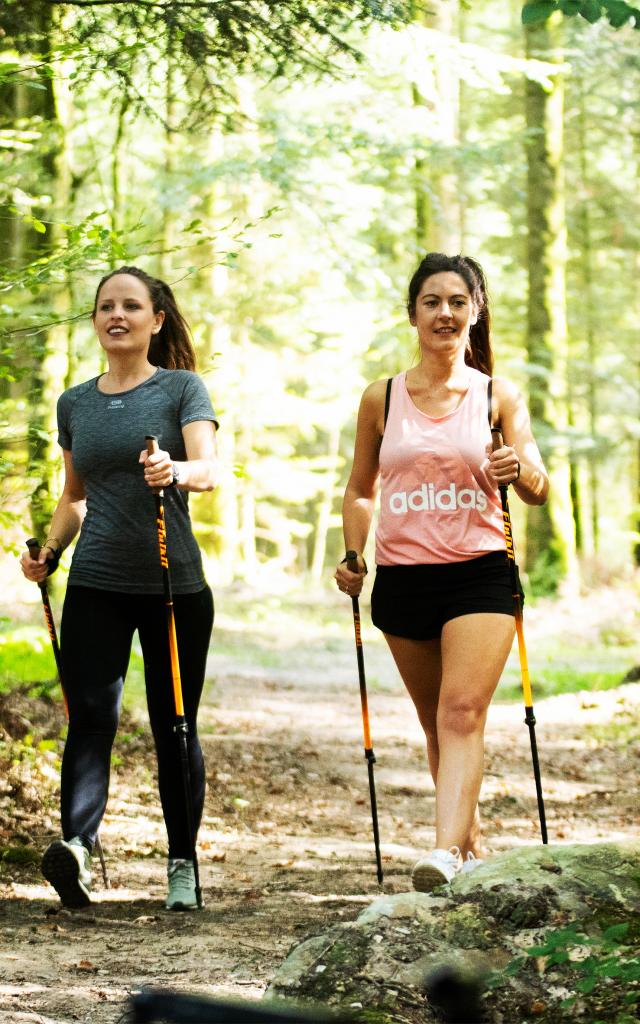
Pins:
x: 479, y: 354
x: 171, y: 347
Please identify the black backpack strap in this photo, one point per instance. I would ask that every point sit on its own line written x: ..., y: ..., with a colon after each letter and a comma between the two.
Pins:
x: 387, y: 400
x: 490, y: 401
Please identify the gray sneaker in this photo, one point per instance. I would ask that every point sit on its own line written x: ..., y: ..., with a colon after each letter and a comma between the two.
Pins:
x: 182, y: 885
x: 67, y: 866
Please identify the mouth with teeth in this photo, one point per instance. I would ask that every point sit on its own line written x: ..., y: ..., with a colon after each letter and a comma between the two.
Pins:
x: 115, y: 331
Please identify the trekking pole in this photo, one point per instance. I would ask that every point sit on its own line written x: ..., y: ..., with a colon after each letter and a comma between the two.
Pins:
x: 530, y: 719
x: 352, y: 566
x: 33, y: 546
x: 181, y: 727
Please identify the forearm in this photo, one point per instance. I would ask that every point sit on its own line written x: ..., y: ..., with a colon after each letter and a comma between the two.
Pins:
x: 532, y: 486
x: 198, y: 474
x: 66, y: 520
x: 357, y: 513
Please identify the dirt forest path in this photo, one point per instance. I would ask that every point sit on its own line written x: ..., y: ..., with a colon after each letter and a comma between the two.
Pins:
x: 285, y: 847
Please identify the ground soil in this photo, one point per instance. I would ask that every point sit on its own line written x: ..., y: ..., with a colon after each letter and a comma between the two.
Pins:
x: 285, y: 846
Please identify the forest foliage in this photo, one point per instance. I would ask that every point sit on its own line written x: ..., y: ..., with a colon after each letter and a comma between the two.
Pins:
x: 284, y: 166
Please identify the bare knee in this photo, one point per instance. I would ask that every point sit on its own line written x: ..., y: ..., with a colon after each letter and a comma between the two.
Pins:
x: 463, y: 716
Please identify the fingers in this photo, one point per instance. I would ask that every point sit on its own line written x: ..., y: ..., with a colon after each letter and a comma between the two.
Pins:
x: 504, y: 465
x: 35, y: 571
x: 349, y: 582
x: 158, y: 468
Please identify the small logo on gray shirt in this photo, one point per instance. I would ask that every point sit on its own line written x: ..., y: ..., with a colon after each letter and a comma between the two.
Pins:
x: 116, y: 403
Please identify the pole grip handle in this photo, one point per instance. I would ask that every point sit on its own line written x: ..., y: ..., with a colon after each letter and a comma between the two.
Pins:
x: 351, y: 558
x: 496, y: 438
x: 34, y: 548
x: 152, y: 443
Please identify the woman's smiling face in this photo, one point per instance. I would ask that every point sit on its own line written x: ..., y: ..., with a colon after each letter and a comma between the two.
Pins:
x: 124, y: 318
x: 444, y: 313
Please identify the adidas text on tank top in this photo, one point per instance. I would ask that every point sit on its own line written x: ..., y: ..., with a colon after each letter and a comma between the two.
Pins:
x: 437, y: 503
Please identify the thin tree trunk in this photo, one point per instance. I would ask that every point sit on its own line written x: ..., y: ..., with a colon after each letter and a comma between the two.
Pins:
x: 437, y: 190
x: 588, y: 305
x: 550, y: 538
x: 325, y: 506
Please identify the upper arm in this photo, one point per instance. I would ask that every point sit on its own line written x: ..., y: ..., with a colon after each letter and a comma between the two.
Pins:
x: 200, y: 440
x: 515, y: 423
x: 369, y: 431
x: 73, y: 483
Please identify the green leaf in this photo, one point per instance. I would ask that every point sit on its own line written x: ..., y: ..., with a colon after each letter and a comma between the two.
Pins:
x: 616, y: 932
x: 586, y: 985
x: 570, y: 7
x: 618, y: 13
x: 39, y: 226
x: 538, y: 11
x: 591, y: 10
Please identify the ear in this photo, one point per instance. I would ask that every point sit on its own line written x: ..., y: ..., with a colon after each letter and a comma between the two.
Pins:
x: 158, y: 322
x: 475, y: 315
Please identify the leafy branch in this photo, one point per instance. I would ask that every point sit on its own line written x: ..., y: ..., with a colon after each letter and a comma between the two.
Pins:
x: 617, y: 12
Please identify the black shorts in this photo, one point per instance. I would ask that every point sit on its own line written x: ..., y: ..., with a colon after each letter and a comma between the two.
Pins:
x: 415, y: 601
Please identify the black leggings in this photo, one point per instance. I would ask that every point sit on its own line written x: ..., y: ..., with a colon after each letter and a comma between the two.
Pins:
x: 96, y: 633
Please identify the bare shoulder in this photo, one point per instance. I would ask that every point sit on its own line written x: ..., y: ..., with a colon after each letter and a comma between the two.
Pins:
x: 372, y: 404
x: 375, y: 393
x: 507, y: 396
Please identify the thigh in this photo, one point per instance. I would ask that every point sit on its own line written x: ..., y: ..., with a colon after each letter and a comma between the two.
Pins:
x: 474, y: 652
x: 419, y: 663
x: 96, y: 634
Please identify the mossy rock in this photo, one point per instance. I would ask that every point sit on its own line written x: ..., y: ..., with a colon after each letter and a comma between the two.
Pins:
x: 579, y: 905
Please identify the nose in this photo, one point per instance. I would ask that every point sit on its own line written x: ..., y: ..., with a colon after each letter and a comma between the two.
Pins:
x: 444, y: 310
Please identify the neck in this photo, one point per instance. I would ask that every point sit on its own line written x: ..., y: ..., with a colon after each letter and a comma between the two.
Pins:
x: 443, y: 369
x: 127, y: 373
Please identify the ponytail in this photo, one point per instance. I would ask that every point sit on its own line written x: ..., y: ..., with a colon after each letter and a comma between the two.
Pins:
x: 171, y: 347
x: 479, y: 353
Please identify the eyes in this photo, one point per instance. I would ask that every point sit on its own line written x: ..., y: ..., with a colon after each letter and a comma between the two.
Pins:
x: 455, y: 303
x: 104, y: 307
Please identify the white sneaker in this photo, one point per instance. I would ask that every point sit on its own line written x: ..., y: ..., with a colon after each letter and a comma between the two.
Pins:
x: 67, y: 866
x: 470, y: 863
x: 182, y: 885
x: 438, y: 868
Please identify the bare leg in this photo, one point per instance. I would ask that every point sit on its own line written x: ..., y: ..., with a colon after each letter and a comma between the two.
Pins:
x: 420, y: 666
x: 474, y: 651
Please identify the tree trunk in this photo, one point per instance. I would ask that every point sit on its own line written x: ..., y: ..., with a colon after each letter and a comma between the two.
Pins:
x: 438, y: 217
x: 550, y: 539
x: 325, y: 505
x: 50, y: 369
x: 588, y: 305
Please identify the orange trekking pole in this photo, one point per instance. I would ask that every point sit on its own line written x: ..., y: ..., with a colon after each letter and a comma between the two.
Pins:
x: 34, y: 550
x: 530, y: 719
x: 352, y: 565
x: 181, y: 727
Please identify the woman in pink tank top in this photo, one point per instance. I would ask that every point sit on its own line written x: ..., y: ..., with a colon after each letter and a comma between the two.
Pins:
x: 442, y: 594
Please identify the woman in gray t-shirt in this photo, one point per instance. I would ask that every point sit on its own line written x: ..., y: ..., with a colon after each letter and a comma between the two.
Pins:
x: 115, y: 583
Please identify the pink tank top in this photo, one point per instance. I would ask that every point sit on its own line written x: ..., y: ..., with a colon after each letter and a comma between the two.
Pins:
x: 437, y: 503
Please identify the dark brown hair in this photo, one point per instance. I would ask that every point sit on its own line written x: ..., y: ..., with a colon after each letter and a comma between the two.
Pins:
x: 171, y: 347
x: 479, y: 354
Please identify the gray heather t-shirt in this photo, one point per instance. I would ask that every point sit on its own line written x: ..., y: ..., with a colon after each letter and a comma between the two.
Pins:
x: 118, y: 544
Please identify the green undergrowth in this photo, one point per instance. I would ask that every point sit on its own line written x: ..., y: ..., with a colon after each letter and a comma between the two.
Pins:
x: 600, y: 970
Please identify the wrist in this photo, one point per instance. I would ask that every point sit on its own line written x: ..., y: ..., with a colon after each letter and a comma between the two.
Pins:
x: 177, y: 475
x: 55, y: 544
